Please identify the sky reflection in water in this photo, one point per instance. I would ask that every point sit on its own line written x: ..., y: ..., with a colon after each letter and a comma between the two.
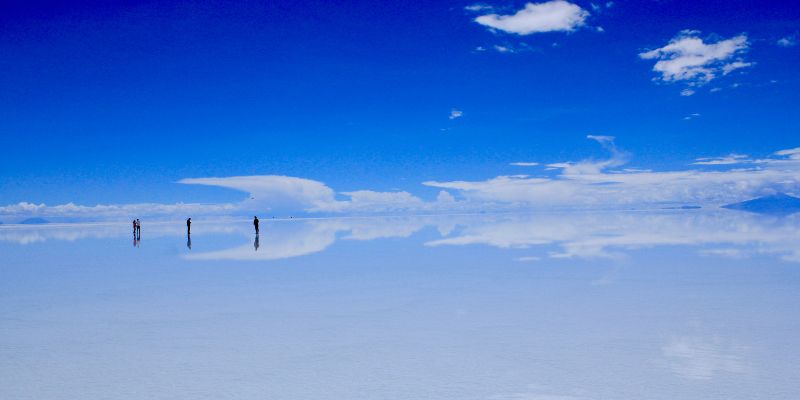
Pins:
x: 671, y: 304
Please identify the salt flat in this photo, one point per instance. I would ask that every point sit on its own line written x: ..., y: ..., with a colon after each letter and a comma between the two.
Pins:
x: 688, y: 304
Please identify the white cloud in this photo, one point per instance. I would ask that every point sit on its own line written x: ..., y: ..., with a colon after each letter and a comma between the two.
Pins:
x: 478, y: 7
x: 687, y: 92
x: 290, y: 193
x: 584, y: 188
x: 378, y: 201
x: 787, y: 41
x: 524, y: 164
x: 617, y: 158
x: 454, y: 114
x: 556, y: 15
x: 275, y: 191
x: 691, y: 116
x: 510, y: 48
x: 688, y: 58
x: 601, y: 138
x: 727, y: 160
x: 728, y: 68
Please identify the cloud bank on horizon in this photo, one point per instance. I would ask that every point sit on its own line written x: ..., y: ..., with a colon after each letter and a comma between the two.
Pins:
x: 600, y: 184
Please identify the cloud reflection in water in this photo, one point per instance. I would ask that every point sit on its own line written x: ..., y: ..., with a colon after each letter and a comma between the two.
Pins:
x: 717, y: 233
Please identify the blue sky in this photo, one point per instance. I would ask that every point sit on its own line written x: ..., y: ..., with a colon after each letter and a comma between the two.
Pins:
x: 116, y: 103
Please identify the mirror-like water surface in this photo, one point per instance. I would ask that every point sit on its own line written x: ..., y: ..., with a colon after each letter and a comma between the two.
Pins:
x: 687, y: 304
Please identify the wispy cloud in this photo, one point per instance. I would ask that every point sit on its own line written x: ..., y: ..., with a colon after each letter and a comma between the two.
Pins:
x: 524, y: 164
x: 691, y: 116
x: 618, y: 158
x: 787, y: 41
x: 688, y: 58
x: 600, y: 7
x: 507, y: 48
x: 733, y: 66
x: 556, y: 15
x: 477, y: 7
x: 726, y: 160
x: 455, y: 114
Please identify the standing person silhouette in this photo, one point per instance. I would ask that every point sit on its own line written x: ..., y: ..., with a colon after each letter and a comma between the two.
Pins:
x: 134, y: 228
x: 138, y: 228
x: 189, y: 226
x: 255, y: 223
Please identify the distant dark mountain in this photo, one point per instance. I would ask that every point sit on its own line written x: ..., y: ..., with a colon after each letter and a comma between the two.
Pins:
x: 780, y: 203
x: 34, y: 221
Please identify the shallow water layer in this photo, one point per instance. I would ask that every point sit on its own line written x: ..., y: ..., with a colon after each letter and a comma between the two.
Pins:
x: 687, y: 304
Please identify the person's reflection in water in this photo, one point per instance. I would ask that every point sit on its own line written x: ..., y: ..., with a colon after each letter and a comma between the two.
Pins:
x: 255, y: 243
x: 189, y: 240
x: 135, y: 241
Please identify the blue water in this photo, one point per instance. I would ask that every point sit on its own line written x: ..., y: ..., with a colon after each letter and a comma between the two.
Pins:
x: 678, y: 304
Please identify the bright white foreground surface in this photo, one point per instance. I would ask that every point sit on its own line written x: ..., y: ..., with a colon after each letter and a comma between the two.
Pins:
x: 666, y: 305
